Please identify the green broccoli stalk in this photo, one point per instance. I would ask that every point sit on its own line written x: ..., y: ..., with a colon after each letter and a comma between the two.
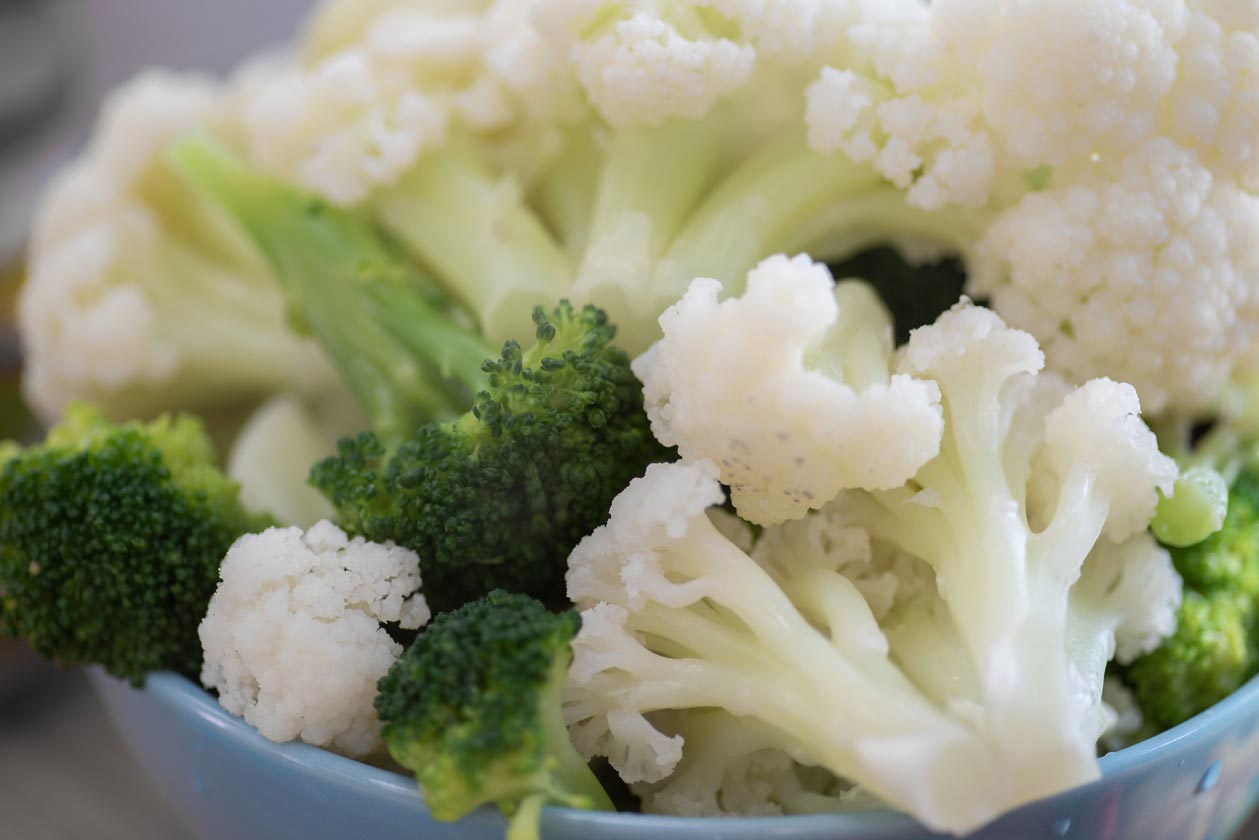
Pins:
x: 1216, y: 644
x: 473, y: 707
x: 496, y: 497
x: 401, y: 346
x: 110, y: 542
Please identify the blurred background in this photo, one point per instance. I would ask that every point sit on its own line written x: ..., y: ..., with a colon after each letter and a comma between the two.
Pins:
x: 63, y: 773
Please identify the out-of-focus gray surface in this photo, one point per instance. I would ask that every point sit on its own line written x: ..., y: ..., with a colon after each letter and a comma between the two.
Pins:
x: 82, y: 49
x: 64, y: 775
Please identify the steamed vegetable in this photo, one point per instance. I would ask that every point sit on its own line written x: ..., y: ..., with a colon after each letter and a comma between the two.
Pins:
x: 110, y: 541
x: 296, y: 634
x: 473, y: 707
x: 1216, y: 644
x: 140, y: 296
x: 920, y: 548
x: 496, y: 497
x: 1032, y: 520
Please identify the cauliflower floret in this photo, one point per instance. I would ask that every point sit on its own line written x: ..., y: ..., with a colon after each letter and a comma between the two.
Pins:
x: 1149, y: 275
x: 645, y: 61
x: 892, y: 98
x: 788, y: 389
x: 1123, y: 606
x: 138, y: 297
x: 1058, y: 78
x: 831, y: 541
x: 391, y: 82
x: 737, y: 767
x: 293, y: 638
x: 1088, y: 471
x: 937, y: 150
x: 677, y: 617
x: 338, y: 129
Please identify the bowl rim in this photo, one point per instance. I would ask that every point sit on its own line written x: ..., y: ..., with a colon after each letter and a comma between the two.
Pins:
x: 180, y: 692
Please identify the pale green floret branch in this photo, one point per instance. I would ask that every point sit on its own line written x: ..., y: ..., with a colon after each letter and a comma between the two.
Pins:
x: 1194, y: 511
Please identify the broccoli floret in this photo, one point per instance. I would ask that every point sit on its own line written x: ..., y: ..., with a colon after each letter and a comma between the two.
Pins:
x: 497, y: 497
x: 1216, y: 644
x: 473, y: 707
x: 110, y: 542
x: 1212, y: 652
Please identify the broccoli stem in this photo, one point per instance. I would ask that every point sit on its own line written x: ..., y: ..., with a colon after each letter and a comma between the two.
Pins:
x: 480, y: 239
x: 573, y: 782
x: 343, y: 282
x: 567, y: 779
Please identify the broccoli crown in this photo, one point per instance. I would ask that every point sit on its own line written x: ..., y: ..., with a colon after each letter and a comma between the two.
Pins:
x: 1212, y: 652
x: 1216, y: 644
x: 110, y: 542
x: 473, y: 707
x: 500, y: 496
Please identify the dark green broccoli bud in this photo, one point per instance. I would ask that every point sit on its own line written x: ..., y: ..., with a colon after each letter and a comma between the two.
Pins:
x: 499, y: 497
x: 473, y: 707
x: 914, y: 294
x: 110, y: 541
x: 1216, y: 644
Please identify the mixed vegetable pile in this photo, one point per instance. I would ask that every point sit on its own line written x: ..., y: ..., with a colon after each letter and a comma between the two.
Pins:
x: 597, y: 384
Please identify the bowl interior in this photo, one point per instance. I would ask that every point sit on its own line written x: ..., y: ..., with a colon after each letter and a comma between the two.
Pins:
x: 1197, y: 780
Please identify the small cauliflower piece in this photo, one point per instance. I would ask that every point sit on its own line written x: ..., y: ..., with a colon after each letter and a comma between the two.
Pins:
x: 337, y: 128
x: 788, y: 389
x: 803, y: 555
x: 1122, y: 607
x: 293, y: 637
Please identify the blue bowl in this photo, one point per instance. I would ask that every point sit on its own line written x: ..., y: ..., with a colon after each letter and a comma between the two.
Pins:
x: 1199, y: 781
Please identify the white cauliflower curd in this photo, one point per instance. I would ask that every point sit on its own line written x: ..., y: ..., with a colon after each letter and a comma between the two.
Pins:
x: 788, y: 389
x: 293, y: 637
